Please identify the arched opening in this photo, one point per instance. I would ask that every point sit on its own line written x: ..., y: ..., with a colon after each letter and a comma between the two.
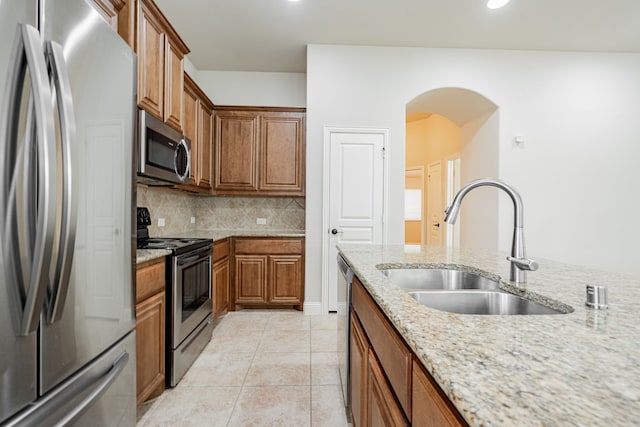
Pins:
x: 452, y: 137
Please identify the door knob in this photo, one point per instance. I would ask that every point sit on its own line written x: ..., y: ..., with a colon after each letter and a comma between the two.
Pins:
x: 437, y: 224
x: 335, y: 231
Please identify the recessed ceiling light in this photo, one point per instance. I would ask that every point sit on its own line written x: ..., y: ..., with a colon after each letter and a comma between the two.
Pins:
x: 495, y: 4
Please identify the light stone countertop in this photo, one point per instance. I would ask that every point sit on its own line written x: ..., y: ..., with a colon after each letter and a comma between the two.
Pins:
x: 581, y: 368
x: 144, y: 255
x: 223, y: 234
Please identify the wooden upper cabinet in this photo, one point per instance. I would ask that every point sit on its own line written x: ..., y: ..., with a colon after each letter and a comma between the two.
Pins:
x: 160, y: 65
x: 236, y: 152
x: 190, y: 124
x: 110, y: 10
x: 174, y: 84
x: 259, y: 151
x: 282, y: 152
x: 197, y: 124
x: 205, y: 123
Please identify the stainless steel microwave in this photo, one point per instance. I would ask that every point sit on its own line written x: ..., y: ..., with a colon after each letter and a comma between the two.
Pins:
x: 164, y: 154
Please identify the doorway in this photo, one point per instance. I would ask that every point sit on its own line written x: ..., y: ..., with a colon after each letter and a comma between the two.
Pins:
x: 355, y: 197
x: 457, y: 128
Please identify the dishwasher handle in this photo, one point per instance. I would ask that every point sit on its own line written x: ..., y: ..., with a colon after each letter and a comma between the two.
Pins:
x: 345, y: 270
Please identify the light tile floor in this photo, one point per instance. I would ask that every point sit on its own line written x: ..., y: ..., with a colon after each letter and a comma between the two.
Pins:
x: 261, y: 368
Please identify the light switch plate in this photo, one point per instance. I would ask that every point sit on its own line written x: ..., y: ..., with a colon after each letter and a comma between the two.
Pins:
x: 261, y: 221
x: 193, y: 220
x: 160, y: 222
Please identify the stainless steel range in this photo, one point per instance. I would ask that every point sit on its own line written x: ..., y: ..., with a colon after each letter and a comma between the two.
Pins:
x: 189, y: 307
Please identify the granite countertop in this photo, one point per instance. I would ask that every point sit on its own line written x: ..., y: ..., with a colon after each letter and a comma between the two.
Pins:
x: 144, y: 255
x: 223, y: 234
x: 581, y: 368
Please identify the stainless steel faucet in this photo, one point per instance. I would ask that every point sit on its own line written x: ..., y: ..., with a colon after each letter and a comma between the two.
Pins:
x: 518, y: 259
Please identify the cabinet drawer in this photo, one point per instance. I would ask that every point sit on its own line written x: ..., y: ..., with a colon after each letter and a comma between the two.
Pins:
x: 268, y: 246
x: 393, y: 354
x: 150, y: 278
x: 220, y: 249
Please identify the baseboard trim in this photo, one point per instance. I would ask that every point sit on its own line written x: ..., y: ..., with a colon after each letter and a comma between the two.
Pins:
x: 312, y: 308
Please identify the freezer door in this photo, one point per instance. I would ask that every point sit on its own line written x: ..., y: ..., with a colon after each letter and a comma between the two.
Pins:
x: 101, y: 394
x: 18, y: 354
x: 94, y: 308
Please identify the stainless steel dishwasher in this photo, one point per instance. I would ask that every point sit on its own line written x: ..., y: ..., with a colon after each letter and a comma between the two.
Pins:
x: 345, y: 277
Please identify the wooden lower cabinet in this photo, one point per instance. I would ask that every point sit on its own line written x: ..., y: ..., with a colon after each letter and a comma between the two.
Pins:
x: 268, y: 272
x: 430, y: 407
x: 251, y: 279
x: 358, y: 354
x: 389, y: 386
x: 150, y: 329
x: 221, y: 281
x: 382, y: 408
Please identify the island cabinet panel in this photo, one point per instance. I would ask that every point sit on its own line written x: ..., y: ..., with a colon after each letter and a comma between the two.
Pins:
x: 269, y: 272
x: 389, y: 386
x: 236, y: 152
x: 259, y: 151
x: 358, y: 357
x: 430, y: 407
x: 382, y: 408
x: 150, y: 329
x: 394, y: 355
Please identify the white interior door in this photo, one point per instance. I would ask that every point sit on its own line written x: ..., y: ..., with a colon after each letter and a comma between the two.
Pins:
x: 435, y: 211
x: 355, y: 197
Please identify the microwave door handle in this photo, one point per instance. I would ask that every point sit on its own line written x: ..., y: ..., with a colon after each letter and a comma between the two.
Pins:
x: 184, y: 176
x: 60, y: 77
x: 26, y: 54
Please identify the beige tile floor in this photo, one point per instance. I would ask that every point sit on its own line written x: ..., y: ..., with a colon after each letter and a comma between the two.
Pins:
x: 261, y: 368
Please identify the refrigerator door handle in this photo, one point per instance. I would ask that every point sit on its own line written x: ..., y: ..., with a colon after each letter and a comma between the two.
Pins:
x: 26, y: 54
x: 60, y: 78
x: 98, y: 389
x: 64, y: 407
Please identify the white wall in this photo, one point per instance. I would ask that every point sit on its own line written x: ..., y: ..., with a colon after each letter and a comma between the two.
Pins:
x: 253, y: 89
x: 576, y: 171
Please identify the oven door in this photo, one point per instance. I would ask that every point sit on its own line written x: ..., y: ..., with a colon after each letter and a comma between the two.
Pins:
x: 192, y: 292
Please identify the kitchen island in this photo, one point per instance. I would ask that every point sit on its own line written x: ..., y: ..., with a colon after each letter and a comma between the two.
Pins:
x: 580, y: 368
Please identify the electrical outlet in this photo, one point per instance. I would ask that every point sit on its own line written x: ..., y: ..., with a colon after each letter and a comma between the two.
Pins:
x: 160, y: 222
x: 261, y: 221
x: 193, y: 220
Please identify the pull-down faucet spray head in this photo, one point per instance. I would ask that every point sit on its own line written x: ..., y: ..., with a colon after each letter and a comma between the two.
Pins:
x: 519, y: 262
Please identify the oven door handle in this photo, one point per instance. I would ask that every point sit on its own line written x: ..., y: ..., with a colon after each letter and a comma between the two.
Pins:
x: 202, y: 253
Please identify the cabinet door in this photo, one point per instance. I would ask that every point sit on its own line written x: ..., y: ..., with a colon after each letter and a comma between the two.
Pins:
x: 282, y: 153
x: 203, y: 172
x: 174, y: 85
x: 236, y: 152
x: 285, y: 279
x: 190, y: 126
x: 251, y: 279
x: 151, y: 46
x: 221, y: 281
x: 150, y: 339
x: 430, y: 407
x: 358, y: 354
x: 383, y: 410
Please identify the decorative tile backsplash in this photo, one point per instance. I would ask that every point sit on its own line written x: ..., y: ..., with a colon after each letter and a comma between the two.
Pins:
x: 219, y: 212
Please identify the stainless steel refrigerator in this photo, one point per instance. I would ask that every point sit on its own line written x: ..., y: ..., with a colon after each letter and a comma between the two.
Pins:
x: 67, y: 320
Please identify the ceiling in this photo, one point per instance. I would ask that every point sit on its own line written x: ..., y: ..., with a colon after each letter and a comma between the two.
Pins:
x: 271, y: 35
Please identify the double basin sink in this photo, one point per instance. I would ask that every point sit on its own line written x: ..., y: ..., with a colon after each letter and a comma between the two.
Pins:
x: 463, y: 292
